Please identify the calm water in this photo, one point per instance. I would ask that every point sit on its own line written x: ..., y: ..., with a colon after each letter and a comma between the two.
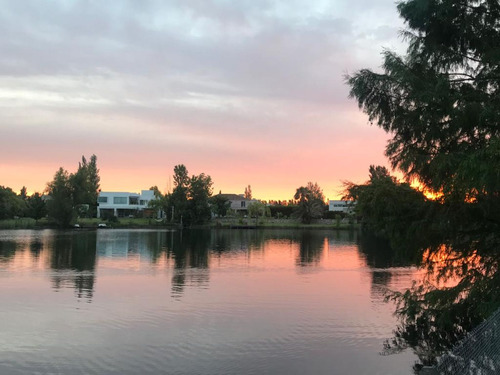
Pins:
x: 196, y: 302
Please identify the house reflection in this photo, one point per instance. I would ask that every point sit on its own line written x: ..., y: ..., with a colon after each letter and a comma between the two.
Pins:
x: 187, y: 254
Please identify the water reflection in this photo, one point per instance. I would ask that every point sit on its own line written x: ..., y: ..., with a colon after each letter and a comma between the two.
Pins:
x: 461, y: 286
x: 72, y: 256
x: 310, y: 249
x: 189, y: 251
x: 73, y: 260
x: 459, y: 289
x: 7, y: 250
x: 195, y: 301
x: 36, y: 247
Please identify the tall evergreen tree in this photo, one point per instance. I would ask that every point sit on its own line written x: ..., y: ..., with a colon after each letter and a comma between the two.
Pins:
x: 24, y: 193
x: 94, y: 180
x: 85, y: 185
x: 441, y: 102
x: 179, y: 197
x: 248, y: 192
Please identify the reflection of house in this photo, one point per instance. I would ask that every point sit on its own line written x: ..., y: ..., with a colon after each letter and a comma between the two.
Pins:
x: 238, y: 202
x: 123, y: 204
x: 341, y: 206
x: 125, y: 244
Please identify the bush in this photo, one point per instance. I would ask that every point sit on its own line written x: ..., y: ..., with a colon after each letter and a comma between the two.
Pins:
x: 280, y: 211
x: 111, y: 219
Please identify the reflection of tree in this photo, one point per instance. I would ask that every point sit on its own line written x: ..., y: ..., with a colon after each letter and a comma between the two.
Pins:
x: 75, y: 253
x: 7, y: 251
x: 379, y: 253
x: 156, y: 242
x: 460, y: 290
x: 36, y: 247
x: 311, y: 246
x: 381, y: 278
x: 380, y: 257
x: 190, y: 251
x: 311, y: 243
x: 345, y: 236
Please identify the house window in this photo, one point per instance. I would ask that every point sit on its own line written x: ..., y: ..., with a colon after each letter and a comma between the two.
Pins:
x: 143, y: 202
x: 243, y: 204
x: 102, y: 199
x: 133, y: 200
x: 119, y: 200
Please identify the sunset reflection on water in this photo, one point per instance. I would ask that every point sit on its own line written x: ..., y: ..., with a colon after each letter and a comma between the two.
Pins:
x: 282, y: 300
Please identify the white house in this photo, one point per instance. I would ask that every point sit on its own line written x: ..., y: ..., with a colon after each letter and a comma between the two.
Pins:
x: 122, y: 204
x: 238, y: 202
x: 341, y: 206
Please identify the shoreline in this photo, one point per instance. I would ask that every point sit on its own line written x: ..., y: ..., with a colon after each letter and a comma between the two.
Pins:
x: 93, y: 224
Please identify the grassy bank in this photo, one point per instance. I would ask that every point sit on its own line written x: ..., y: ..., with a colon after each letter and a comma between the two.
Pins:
x: 21, y: 223
x: 28, y: 223
x: 282, y: 223
x: 122, y: 223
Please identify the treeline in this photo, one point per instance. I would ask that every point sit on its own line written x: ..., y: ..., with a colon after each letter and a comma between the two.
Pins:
x: 191, y: 201
x: 14, y: 205
x: 67, y: 196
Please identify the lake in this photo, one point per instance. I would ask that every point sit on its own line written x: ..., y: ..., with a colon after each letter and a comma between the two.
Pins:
x: 197, y: 302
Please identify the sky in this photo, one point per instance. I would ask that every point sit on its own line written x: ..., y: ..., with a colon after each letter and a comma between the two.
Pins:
x: 250, y: 92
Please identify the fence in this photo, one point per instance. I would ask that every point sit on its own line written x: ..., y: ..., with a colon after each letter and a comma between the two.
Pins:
x: 477, y: 354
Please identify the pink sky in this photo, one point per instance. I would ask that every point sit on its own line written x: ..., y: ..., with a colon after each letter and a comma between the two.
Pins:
x: 246, y: 92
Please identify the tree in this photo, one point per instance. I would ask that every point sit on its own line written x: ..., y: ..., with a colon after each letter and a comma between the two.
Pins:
x: 10, y: 204
x: 24, y: 193
x: 181, y: 176
x: 85, y: 185
x: 258, y: 209
x: 378, y: 173
x: 441, y: 101
x: 93, y: 180
x: 389, y: 209
x: 189, y: 202
x: 248, y: 192
x: 157, y: 192
x: 199, y: 192
x: 60, y: 203
x: 220, y: 205
x: 36, y: 207
x: 179, y: 197
x: 310, y: 203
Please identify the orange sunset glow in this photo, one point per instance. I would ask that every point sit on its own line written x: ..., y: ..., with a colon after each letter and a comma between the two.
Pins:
x: 246, y: 95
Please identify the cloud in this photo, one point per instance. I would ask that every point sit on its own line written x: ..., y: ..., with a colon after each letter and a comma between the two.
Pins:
x: 256, y: 83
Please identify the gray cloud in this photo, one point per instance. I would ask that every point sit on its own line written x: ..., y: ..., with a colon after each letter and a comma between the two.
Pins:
x: 187, y: 77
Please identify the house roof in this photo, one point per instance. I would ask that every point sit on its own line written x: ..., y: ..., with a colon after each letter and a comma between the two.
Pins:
x: 234, y: 197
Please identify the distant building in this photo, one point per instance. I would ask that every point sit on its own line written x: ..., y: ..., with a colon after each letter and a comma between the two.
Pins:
x: 341, y: 206
x: 122, y: 204
x: 238, y: 202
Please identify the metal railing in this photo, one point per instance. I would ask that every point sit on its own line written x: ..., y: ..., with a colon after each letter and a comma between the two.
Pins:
x: 476, y: 354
